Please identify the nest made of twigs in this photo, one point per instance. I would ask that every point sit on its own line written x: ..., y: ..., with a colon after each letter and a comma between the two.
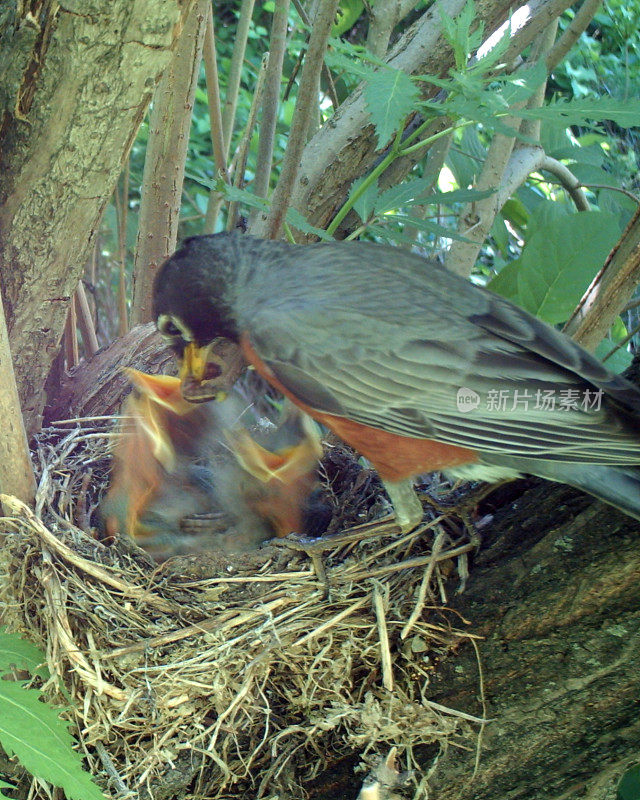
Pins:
x: 223, y: 676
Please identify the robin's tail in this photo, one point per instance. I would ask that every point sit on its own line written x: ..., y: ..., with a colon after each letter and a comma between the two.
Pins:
x: 617, y: 486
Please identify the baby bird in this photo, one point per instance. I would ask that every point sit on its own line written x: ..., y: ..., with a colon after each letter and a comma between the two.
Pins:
x: 190, y: 477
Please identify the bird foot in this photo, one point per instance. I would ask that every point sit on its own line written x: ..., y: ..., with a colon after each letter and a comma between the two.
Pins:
x: 406, y: 504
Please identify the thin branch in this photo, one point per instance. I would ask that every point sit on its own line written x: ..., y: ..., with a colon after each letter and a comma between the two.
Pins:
x: 610, y: 290
x: 71, y: 354
x: 122, y: 209
x: 540, y: 47
x: 568, y: 180
x: 572, y: 33
x: 477, y: 218
x: 16, y: 472
x: 331, y: 88
x: 235, y: 73
x: 245, y: 143
x: 85, y: 322
x: 271, y: 99
x: 215, y: 199
x: 305, y: 104
x: 383, y: 16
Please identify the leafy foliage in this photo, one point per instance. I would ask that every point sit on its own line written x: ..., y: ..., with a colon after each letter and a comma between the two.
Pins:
x: 629, y: 786
x: 34, y: 732
x: 558, y: 262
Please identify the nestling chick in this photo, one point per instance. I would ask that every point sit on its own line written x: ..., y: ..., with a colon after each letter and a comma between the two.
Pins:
x: 192, y: 477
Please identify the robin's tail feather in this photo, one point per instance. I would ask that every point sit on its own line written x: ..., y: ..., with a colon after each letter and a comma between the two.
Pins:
x: 617, y: 486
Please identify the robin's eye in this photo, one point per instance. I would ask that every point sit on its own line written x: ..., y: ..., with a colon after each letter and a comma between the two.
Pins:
x: 171, y: 328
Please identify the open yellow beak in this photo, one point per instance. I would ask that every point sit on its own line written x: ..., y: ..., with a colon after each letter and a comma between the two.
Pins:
x: 206, y: 373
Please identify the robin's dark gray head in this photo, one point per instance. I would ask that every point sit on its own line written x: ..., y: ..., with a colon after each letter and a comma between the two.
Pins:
x: 193, y: 306
x: 192, y: 292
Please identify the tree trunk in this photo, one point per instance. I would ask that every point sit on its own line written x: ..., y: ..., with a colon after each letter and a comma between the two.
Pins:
x: 555, y: 593
x: 169, y: 125
x: 76, y: 83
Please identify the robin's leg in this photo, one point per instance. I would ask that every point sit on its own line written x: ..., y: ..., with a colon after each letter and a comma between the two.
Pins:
x: 405, y: 502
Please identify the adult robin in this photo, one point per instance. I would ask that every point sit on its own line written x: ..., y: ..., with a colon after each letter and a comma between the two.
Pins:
x: 210, y: 476
x: 415, y: 367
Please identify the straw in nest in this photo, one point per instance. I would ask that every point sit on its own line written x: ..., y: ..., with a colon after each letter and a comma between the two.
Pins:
x: 228, y: 677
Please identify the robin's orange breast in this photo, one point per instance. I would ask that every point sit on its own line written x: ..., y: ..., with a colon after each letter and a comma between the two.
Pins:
x: 394, y: 457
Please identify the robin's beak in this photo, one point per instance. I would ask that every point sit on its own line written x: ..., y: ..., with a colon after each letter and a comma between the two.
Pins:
x: 199, y: 370
x: 207, y: 373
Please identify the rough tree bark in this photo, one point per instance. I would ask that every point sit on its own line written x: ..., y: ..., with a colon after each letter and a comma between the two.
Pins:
x: 556, y: 596
x: 554, y: 592
x: 169, y: 124
x: 75, y: 82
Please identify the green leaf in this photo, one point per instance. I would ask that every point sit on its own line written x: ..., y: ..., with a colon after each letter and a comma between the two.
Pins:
x: 351, y: 62
x: 629, y: 786
x: 560, y: 259
x: 500, y: 235
x: 17, y: 653
x: 390, y: 95
x: 461, y: 196
x: 5, y: 785
x: 617, y: 362
x: 585, y: 110
x: 295, y: 218
x: 403, y: 194
x: 346, y: 16
x: 515, y: 212
x: 522, y: 84
x: 34, y: 733
x: 426, y: 226
x: 505, y: 282
x: 459, y: 34
x: 366, y: 202
x: 466, y: 160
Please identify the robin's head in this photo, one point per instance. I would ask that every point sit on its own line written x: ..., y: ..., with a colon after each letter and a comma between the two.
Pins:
x: 193, y: 301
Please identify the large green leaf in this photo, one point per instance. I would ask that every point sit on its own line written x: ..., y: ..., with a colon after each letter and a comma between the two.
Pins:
x: 629, y: 786
x: 20, y: 654
x: 390, y: 95
x: 506, y: 281
x: 34, y: 733
x: 559, y: 261
x: 585, y: 110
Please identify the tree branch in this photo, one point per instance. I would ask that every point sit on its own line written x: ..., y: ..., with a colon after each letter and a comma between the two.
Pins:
x: 346, y: 148
x: 572, y: 33
x: 271, y: 100
x: 16, y: 472
x: 235, y: 73
x: 269, y: 226
x: 215, y: 199
x: 568, y: 181
x: 383, y: 16
x: 477, y: 218
x: 609, y: 291
x: 165, y: 160
x: 245, y: 142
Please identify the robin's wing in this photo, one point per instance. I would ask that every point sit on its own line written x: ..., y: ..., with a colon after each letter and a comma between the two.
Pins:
x: 537, y: 394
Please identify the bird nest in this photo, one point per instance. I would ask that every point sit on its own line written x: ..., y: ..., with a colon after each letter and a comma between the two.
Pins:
x: 234, y: 677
